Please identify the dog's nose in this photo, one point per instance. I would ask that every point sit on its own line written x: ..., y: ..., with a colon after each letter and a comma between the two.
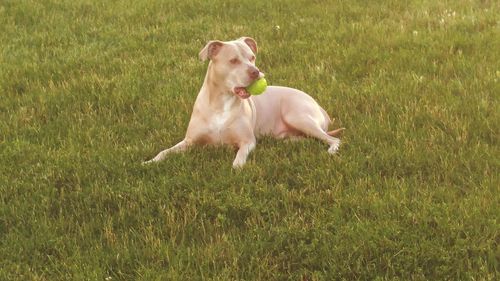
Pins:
x: 253, y: 73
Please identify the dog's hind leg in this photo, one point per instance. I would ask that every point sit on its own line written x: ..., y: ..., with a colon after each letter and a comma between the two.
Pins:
x: 309, y: 126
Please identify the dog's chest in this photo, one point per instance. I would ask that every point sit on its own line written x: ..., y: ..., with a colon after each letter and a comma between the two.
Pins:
x: 220, y: 119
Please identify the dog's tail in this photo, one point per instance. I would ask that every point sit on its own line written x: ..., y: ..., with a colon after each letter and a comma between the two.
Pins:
x: 336, y: 132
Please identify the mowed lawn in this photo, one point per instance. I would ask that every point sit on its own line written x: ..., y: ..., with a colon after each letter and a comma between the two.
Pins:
x: 90, y: 89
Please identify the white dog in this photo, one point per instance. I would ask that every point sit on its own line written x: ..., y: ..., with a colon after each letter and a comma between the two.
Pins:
x: 225, y: 113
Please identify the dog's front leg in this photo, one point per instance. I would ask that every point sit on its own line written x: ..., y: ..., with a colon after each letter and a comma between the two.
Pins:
x: 243, y: 151
x: 181, y: 146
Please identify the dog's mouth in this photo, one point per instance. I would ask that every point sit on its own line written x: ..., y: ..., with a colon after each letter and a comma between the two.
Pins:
x: 241, y: 92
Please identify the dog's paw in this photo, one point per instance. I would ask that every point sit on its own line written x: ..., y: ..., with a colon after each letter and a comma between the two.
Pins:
x: 238, y: 164
x: 334, y: 147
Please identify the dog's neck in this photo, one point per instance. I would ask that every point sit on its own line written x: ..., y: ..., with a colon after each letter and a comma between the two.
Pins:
x: 217, y: 93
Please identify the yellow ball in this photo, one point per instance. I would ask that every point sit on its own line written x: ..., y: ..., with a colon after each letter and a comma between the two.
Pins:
x: 257, y: 87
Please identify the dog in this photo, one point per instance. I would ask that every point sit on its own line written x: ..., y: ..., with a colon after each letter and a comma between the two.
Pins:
x: 225, y: 113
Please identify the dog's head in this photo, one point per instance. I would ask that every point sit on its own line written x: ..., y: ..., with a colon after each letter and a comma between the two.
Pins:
x: 233, y: 63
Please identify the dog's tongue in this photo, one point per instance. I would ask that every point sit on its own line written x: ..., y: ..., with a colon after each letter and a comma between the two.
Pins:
x: 241, y: 92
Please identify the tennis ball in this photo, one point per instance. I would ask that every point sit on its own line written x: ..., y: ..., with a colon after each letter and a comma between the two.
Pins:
x: 257, y: 87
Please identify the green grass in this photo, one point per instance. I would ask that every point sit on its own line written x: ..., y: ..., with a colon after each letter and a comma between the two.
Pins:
x: 89, y: 89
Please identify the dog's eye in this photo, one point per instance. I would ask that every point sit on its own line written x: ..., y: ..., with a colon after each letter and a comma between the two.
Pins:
x: 235, y: 61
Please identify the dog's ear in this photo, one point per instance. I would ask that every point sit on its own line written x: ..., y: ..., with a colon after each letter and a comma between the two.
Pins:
x: 210, y: 50
x: 250, y: 42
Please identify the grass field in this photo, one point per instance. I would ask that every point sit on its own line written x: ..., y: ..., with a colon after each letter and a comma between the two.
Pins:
x: 89, y: 89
